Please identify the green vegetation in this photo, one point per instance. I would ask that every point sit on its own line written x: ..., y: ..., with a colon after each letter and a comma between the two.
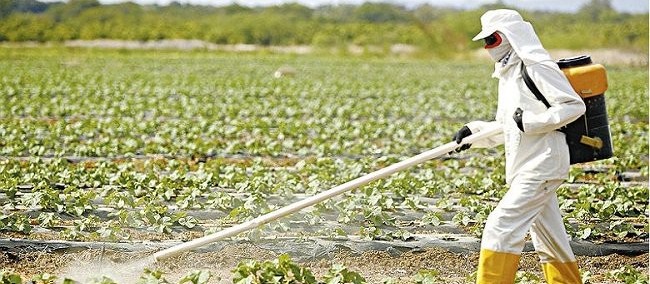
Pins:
x: 438, y: 30
x: 148, y: 277
x: 427, y: 277
x: 99, y: 145
x: 280, y: 270
x: 284, y: 270
x: 629, y: 275
x: 153, y: 136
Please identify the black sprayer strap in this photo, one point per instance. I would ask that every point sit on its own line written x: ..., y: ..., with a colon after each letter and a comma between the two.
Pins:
x: 531, y: 85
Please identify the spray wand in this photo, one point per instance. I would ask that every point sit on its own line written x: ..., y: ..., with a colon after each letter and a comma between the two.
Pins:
x: 297, y: 206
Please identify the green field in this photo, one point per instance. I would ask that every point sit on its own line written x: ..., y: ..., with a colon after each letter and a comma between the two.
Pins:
x: 118, y: 145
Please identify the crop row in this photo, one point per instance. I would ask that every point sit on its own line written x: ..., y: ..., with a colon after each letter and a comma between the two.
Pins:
x: 159, y: 196
x: 96, y: 143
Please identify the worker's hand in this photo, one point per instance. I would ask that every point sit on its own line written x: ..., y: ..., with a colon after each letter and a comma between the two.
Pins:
x: 458, y: 137
x: 517, y: 116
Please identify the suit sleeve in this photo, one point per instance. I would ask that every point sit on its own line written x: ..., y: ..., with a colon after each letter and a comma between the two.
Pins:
x: 489, y: 142
x: 566, y: 105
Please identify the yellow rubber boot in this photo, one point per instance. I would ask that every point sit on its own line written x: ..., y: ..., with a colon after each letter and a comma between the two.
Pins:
x: 561, y: 273
x: 496, y: 267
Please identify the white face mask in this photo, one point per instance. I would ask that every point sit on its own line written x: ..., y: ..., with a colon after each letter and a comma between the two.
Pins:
x: 499, y: 52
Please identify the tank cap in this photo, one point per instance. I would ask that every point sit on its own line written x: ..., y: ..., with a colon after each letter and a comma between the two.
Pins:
x: 579, y: 60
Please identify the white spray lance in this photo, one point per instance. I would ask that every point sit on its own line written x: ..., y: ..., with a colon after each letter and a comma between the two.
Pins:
x: 297, y: 206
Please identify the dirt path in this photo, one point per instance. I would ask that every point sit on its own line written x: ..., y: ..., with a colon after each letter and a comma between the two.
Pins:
x: 375, y: 266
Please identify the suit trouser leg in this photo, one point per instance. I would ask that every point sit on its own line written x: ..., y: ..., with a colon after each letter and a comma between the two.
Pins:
x: 507, y: 226
x: 552, y: 244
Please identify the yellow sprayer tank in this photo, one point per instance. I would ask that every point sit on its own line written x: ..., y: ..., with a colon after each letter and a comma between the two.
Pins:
x: 589, y: 136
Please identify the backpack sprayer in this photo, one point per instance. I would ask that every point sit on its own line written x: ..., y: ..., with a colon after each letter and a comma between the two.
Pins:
x: 350, y: 185
x: 588, y: 137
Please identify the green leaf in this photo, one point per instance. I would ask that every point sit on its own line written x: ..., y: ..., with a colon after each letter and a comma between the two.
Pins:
x: 425, y: 276
x: 585, y: 234
x: 152, y: 277
x: 340, y: 274
x: 103, y: 280
x: 196, y: 277
x: 44, y: 278
x: 10, y: 278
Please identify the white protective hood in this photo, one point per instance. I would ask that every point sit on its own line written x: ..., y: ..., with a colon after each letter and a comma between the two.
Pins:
x: 520, y: 33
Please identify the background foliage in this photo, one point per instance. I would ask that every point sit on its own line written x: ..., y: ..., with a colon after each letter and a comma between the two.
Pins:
x: 441, y: 30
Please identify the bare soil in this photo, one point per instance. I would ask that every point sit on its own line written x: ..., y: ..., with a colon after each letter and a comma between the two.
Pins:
x: 375, y: 266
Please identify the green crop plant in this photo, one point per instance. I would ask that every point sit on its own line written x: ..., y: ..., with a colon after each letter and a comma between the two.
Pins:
x: 339, y: 274
x: 196, y: 277
x: 284, y: 270
x: 8, y: 277
x: 15, y: 222
x: 527, y: 278
x: 280, y: 270
x: 629, y: 275
x: 425, y: 276
x: 99, y: 150
x: 44, y: 278
x: 152, y: 277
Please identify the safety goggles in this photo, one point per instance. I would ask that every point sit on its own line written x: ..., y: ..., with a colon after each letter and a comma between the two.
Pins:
x: 493, y: 40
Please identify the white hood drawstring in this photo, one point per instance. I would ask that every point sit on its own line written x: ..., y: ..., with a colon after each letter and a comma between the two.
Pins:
x: 503, y: 65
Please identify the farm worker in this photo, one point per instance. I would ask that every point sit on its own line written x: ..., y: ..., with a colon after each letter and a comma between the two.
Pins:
x: 537, y: 155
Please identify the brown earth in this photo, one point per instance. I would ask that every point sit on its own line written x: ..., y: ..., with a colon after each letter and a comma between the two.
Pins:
x: 375, y: 266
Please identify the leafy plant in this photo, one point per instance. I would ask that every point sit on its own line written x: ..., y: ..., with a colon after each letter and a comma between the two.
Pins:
x: 196, y: 277
x: 527, y: 277
x: 280, y: 270
x: 152, y: 277
x: 339, y: 274
x: 425, y: 276
x: 7, y: 277
x: 44, y: 278
x: 629, y: 275
x: 102, y: 280
x: 15, y: 222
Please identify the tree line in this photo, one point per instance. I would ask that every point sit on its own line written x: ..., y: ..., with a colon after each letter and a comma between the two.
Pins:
x: 442, y: 30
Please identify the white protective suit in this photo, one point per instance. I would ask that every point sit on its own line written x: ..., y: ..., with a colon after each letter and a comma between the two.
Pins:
x: 537, y: 159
